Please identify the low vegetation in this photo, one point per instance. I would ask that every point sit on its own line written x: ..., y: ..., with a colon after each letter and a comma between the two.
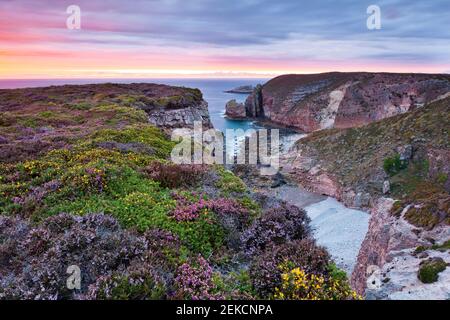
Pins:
x: 90, y: 184
x: 429, y: 269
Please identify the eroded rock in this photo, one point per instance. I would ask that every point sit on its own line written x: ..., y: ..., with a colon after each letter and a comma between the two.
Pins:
x: 235, y: 110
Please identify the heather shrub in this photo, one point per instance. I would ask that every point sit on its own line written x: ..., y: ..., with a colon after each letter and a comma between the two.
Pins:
x: 116, y: 114
x: 175, y: 175
x: 194, y: 281
x: 39, y: 257
x: 229, y: 214
x: 276, y: 226
x: 145, y: 134
x: 192, y: 206
x: 114, y: 263
x: 142, y: 285
x: 228, y: 183
x: 305, y: 254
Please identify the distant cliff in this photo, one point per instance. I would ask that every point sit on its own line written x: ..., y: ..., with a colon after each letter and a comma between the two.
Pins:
x: 342, y: 100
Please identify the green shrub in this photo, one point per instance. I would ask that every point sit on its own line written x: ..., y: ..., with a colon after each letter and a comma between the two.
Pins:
x: 119, y: 114
x: 393, y: 165
x: 229, y: 183
x: 429, y: 270
x: 145, y: 134
x: 136, y: 286
x: 235, y: 285
x: 47, y: 114
x: 442, y: 178
x: 84, y: 105
x: 335, y: 273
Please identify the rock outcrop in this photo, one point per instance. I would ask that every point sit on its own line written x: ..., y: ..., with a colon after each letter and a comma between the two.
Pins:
x: 241, y: 90
x: 185, y: 117
x: 254, y: 103
x: 235, y: 110
x: 342, y: 100
x: 391, y: 254
x: 174, y: 107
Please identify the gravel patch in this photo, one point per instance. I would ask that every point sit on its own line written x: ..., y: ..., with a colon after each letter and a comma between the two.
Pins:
x: 340, y: 229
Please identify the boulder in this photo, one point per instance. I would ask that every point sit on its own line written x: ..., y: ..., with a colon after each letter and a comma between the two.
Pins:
x: 386, y: 187
x: 406, y: 152
x: 235, y: 110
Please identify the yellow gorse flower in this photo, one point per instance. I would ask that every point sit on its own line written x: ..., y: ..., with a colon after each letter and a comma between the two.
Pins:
x: 296, y: 284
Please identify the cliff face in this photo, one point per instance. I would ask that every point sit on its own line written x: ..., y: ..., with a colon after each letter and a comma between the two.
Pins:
x: 342, y: 100
x: 392, y: 254
x: 409, y: 202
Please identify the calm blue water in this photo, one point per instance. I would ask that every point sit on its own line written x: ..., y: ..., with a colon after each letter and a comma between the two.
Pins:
x: 213, y: 92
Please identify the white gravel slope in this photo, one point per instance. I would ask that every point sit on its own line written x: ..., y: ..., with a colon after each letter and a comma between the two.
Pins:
x: 341, y: 230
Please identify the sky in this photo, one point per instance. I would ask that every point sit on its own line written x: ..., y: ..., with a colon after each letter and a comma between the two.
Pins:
x: 220, y: 38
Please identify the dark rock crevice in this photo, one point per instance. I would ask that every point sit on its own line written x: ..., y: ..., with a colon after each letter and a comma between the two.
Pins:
x: 254, y: 105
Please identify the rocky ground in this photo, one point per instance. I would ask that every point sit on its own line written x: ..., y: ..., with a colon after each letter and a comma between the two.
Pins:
x: 393, y: 254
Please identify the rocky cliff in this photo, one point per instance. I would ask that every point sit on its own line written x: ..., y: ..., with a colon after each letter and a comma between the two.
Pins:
x: 342, y: 100
x: 393, y: 254
x: 397, y: 169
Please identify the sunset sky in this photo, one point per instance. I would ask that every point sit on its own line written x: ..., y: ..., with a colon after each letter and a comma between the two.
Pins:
x: 223, y: 38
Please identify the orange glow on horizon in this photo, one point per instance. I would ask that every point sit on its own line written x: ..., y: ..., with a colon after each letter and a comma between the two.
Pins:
x: 61, y: 65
